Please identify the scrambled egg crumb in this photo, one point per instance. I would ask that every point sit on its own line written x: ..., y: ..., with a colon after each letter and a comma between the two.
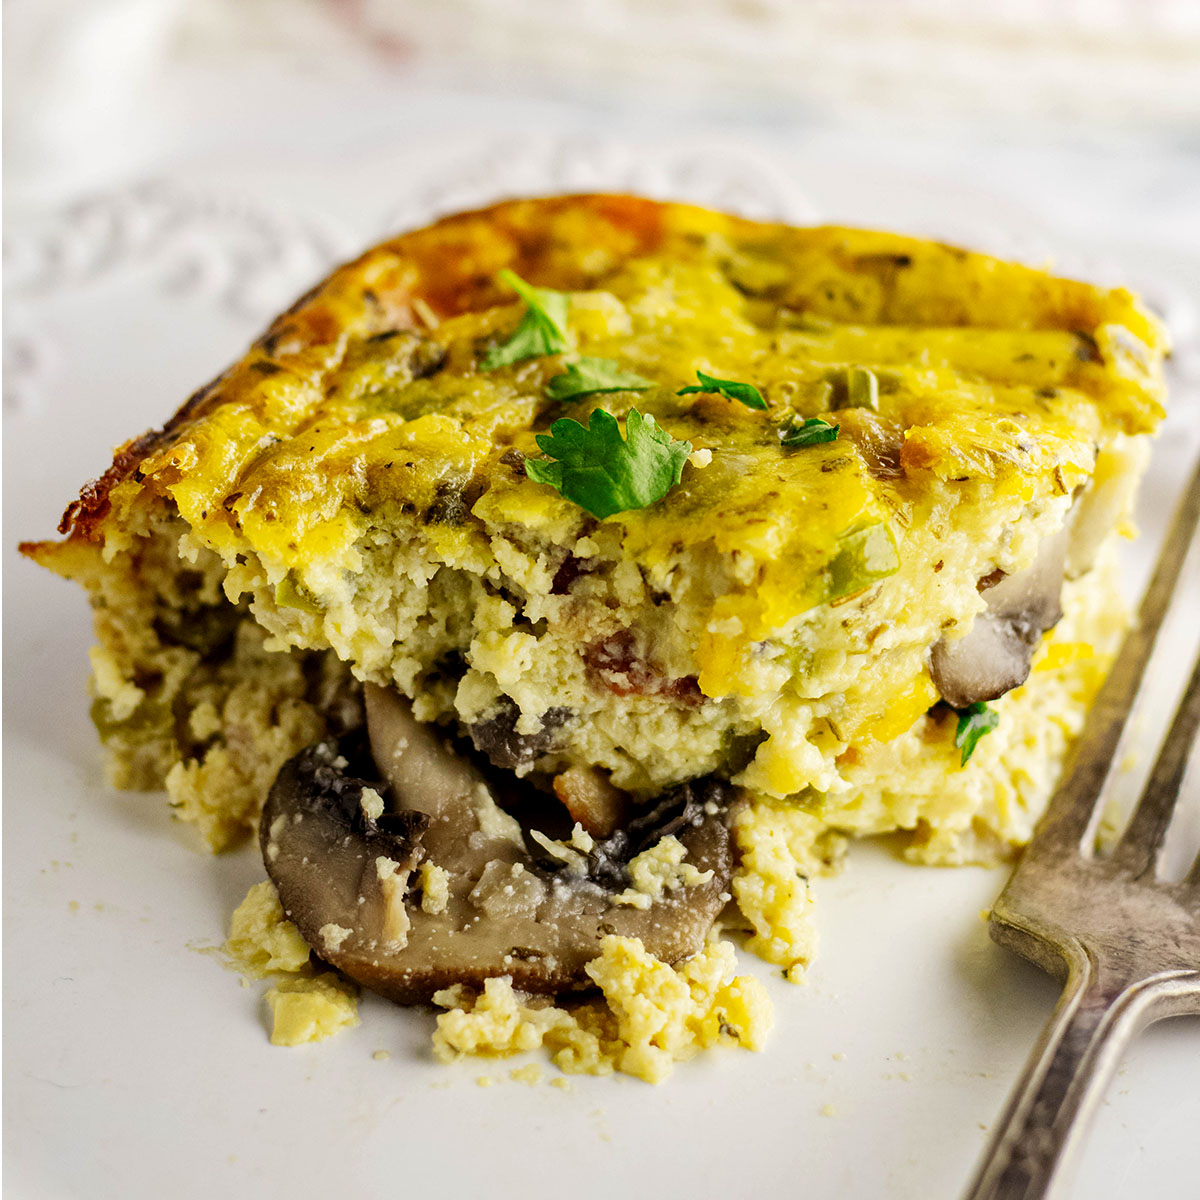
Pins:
x: 371, y: 803
x: 435, y: 888
x: 261, y: 939
x: 311, y: 1010
x: 779, y: 851
x: 658, y: 869
x: 306, y: 1007
x: 332, y: 936
x: 653, y: 1015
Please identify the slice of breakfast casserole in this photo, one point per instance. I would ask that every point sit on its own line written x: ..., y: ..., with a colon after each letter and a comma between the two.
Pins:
x: 582, y: 572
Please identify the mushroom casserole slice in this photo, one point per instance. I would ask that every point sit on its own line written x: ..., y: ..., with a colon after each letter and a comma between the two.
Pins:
x: 562, y: 584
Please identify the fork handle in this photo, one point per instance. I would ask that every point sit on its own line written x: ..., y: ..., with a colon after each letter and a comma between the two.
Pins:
x: 1063, y: 1080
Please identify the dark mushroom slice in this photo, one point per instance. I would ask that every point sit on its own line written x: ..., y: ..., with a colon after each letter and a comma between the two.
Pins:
x: 995, y: 654
x: 347, y: 877
x: 497, y: 736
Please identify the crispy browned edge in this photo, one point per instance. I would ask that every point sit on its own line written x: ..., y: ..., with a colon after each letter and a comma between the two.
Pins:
x: 450, y: 265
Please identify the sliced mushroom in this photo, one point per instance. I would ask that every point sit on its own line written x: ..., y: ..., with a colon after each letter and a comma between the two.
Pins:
x: 345, y: 877
x: 497, y: 736
x: 995, y: 654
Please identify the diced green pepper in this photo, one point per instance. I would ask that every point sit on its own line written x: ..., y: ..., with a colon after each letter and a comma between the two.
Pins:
x: 862, y: 388
x: 865, y: 555
x: 290, y: 593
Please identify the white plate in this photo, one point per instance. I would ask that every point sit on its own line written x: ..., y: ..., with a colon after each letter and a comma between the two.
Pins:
x: 136, y: 1065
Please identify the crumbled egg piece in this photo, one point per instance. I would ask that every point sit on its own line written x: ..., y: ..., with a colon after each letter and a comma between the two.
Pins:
x: 311, y: 1010
x: 659, y: 869
x: 305, y: 1007
x: 261, y: 939
x: 435, y: 888
x: 371, y: 803
x: 332, y: 936
x: 653, y: 1015
x: 777, y: 854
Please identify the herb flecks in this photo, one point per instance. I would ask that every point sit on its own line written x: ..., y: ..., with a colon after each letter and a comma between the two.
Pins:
x: 811, y: 432
x: 588, y: 376
x: 605, y: 473
x: 974, y: 722
x: 745, y: 393
x: 542, y: 329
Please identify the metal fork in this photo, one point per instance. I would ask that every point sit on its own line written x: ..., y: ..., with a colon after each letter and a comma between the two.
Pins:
x: 1125, y: 944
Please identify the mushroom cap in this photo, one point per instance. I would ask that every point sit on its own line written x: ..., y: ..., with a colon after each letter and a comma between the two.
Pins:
x: 347, y: 879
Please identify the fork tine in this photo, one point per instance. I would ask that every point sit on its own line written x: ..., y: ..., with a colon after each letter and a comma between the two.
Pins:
x: 1192, y: 878
x: 1141, y: 845
x: 1069, y: 816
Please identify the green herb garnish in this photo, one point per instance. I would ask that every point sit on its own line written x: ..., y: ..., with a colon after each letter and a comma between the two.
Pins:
x: 973, y: 722
x: 747, y: 393
x: 543, y: 328
x: 605, y: 473
x: 587, y: 376
x: 812, y: 432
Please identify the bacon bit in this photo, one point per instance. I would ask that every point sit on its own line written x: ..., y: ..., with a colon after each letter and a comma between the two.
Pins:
x: 570, y: 570
x: 591, y: 800
x: 617, y: 666
x: 686, y: 689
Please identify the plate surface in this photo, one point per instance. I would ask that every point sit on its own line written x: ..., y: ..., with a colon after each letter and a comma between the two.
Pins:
x: 136, y: 1065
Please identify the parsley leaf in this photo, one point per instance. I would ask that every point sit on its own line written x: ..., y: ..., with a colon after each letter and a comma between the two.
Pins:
x: 605, y: 473
x: 812, y: 432
x: 747, y: 393
x: 543, y: 328
x: 590, y: 375
x: 973, y: 722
